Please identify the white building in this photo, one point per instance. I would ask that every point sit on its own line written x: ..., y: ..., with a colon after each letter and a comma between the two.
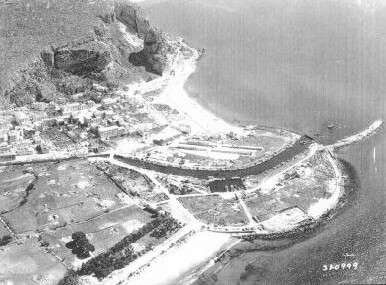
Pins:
x: 21, y: 117
x: 40, y: 106
x: 108, y: 132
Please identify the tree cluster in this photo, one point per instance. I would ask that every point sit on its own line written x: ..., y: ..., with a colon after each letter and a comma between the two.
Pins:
x: 183, y: 190
x: 5, y: 240
x: 71, y: 278
x: 168, y: 226
x: 122, y: 253
x: 80, y: 245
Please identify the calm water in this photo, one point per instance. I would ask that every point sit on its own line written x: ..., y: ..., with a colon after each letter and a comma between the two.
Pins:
x: 298, y: 65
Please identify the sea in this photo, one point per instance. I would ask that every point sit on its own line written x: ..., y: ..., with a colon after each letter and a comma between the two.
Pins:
x: 299, y: 65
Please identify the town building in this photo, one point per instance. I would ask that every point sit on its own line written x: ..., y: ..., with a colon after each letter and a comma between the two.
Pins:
x: 4, y: 147
x: 108, y: 102
x: 21, y: 117
x: 107, y: 132
x: 25, y: 151
x: 39, y: 106
x: 14, y: 136
x: 7, y: 157
x: 4, y: 124
x: 97, y: 120
x: 73, y: 107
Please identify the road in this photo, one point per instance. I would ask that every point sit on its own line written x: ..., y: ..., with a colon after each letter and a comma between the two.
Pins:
x: 121, y: 276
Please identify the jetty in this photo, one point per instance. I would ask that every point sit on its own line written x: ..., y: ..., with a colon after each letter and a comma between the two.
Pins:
x: 370, y: 131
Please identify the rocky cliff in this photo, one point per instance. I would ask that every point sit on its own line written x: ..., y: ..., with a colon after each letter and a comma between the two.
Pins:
x: 54, y: 49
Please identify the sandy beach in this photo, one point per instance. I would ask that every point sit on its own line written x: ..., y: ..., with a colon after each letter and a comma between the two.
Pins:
x: 182, y: 259
x: 200, y: 119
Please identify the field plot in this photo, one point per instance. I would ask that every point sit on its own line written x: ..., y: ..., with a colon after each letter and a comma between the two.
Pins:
x: 134, y: 183
x: 213, y: 209
x: 301, y: 187
x: 103, y: 231
x: 67, y: 192
x: 130, y: 247
x: 304, y: 186
x: 13, y: 187
x: 287, y: 219
x: 28, y: 263
x: 76, y: 196
x: 3, y: 231
x: 263, y: 207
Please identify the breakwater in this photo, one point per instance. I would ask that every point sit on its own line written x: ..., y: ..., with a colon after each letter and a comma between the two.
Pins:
x: 371, y: 130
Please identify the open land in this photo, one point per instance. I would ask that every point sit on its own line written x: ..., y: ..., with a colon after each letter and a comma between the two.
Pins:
x: 148, y: 176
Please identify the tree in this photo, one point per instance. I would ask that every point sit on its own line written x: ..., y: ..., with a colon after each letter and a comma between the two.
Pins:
x: 71, y: 278
x: 80, y: 245
x: 78, y: 235
x: 5, y: 240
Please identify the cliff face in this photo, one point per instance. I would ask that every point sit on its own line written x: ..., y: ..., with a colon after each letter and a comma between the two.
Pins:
x: 153, y: 54
x: 112, y: 44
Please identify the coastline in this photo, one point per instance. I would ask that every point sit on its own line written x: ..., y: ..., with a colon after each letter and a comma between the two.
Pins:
x: 196, y: 251
x: 285, y: 239
x: 188, y: 270
x: 202, y: 120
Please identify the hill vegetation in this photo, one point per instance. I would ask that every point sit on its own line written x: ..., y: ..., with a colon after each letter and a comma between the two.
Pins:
x: 54, y: 49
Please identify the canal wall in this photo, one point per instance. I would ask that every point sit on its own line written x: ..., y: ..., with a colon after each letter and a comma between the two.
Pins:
x: 301, y: 145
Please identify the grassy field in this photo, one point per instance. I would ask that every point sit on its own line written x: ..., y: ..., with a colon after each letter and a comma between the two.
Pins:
x: 3, y: 231
x: 29, y: 264
x: 68, y: 192
x: 103, y: 231
x: 215, y: 210
x: 135, y: 183
x: 263, y: 206
x: 76, y: 196
x: 13, y: 187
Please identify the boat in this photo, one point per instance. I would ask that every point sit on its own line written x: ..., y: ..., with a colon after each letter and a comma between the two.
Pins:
x: 330, y: 126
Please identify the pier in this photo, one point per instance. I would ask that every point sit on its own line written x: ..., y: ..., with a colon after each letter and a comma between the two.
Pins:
x: 371, y: 130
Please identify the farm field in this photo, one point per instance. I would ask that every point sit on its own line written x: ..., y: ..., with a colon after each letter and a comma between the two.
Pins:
x: 73, y: 196
x: 13, y: 187
x: 68, y: 192
x: 103, y: 232
x: 287, y: 219
x: 214, y: 210
x: 28, y: 263
x: 263, y: 207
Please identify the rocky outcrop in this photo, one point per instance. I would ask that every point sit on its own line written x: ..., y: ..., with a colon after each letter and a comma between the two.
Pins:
x: 116, y: 47
x: 83, y: 58
x: 153, y: 55
x: 125, y: 36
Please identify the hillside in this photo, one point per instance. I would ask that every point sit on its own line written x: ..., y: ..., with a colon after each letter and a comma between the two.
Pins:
x: 54, y: 49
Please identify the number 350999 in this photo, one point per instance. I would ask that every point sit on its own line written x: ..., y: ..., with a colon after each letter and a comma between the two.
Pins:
x: 340, y: 266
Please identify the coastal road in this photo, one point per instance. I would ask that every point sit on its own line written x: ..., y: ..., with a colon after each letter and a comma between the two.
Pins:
x: 121, y: 276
